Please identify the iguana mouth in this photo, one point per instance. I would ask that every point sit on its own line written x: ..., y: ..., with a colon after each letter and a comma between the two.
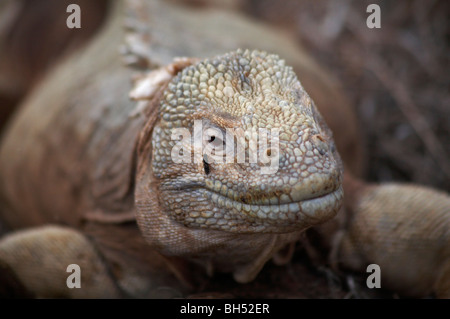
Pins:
x: 315, y: 208
x: 291, y: 190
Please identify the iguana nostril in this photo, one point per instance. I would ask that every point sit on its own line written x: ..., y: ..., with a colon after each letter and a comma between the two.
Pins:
x: 319, y: 141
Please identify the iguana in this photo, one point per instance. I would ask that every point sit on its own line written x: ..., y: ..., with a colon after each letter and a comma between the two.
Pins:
x: 87, y: 174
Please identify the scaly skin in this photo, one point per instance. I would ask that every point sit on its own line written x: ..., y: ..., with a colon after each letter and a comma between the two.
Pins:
x: 81, y: 154
x: 206, y: 210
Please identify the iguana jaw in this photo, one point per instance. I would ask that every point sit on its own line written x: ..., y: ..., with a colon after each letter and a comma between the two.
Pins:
x: 204, y: 209
x: 283, y: 217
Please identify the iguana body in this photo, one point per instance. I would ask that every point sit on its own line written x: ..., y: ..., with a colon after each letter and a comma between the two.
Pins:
x: 83, y: 155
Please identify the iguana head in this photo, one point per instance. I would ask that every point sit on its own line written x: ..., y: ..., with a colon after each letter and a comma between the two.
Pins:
x: 209, y: 168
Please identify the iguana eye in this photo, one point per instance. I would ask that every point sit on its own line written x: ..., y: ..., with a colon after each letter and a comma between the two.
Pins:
x: 213, y: 140
x: 216, y: 142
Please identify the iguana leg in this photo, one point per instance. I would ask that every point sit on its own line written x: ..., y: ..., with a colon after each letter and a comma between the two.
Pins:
x: 38, y: 258
x: 405, y: 229
x: 140, y: 270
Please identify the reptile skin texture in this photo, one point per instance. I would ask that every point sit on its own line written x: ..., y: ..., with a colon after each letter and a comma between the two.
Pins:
x: 87, y: 173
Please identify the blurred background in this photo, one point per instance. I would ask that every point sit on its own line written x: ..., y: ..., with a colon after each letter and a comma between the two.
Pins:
x: 397, y: 78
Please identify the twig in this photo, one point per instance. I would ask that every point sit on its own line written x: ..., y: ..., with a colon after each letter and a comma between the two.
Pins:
x: 411, y: 112
x: 404, y: 101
